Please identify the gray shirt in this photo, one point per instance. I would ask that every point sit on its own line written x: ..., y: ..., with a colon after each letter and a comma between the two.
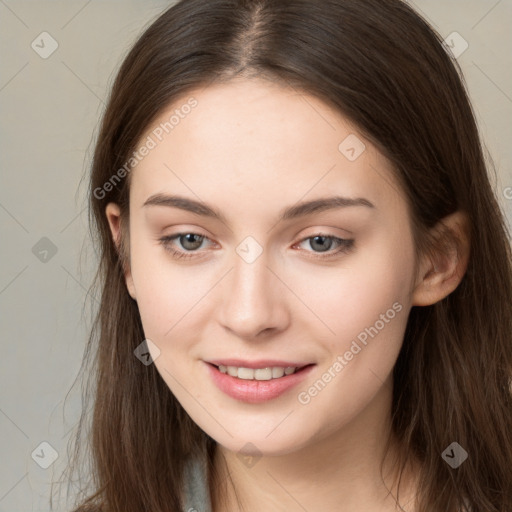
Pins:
x: 197, y: 494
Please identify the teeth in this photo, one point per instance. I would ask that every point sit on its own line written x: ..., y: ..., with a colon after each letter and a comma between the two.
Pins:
x: 277, y: 372
x: 258, y: 373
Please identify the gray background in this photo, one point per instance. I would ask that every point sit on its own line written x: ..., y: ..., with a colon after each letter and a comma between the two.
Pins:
x: 49, y: 110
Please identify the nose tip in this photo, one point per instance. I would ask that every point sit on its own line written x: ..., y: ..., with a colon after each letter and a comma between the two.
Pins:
x: 254, y: 301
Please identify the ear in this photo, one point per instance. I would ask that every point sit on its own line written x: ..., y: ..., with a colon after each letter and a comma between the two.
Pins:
x: 113, y: 214
x: 439, y: 274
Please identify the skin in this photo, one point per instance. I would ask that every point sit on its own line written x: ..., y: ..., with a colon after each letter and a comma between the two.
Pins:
x: 250, y: 148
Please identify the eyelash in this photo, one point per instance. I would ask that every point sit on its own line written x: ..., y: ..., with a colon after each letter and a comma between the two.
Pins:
x: 345, y: 245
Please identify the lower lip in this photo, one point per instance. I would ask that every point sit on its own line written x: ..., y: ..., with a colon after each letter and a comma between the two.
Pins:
x: 256, y: 391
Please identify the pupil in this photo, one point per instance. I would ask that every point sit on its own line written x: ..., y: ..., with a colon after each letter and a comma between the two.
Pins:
x: 189, y: 238
x: 321, y: 246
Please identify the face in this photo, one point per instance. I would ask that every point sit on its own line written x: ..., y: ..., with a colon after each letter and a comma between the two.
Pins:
x: 327, y: 286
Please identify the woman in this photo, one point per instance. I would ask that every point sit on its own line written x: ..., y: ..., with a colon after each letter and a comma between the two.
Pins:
x: 306, y: 278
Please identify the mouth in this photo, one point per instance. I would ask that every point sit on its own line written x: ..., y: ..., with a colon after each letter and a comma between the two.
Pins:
x: 257, y: 385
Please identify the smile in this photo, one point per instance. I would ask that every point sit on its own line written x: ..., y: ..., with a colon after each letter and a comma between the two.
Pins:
x: 256, y: 385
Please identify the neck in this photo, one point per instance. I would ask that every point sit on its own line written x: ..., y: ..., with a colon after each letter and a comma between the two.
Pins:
x: 340, y: 471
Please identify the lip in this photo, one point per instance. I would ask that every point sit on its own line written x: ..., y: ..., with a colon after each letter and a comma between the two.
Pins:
x: 260, y: 363
x: 256, y: 391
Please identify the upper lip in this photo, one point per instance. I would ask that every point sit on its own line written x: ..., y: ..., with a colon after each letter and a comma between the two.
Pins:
x: 260, y: 363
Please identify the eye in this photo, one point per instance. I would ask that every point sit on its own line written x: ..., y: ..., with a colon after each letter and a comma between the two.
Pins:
x: 320, y: 242
x: 189, y: 241
x: 324, y: 242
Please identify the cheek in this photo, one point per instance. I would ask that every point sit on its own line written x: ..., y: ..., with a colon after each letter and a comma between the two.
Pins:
x: 165, y: 291
x: 352, y: 297
x: 366, y: 310
x: 377, y: 314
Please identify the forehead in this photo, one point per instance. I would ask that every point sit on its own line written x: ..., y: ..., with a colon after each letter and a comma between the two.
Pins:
x: 258, y: 139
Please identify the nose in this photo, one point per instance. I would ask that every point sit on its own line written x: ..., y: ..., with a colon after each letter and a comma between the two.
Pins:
x: 254, y: 302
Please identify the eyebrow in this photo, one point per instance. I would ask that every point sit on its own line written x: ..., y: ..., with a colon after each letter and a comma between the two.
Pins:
x: 292, y: 212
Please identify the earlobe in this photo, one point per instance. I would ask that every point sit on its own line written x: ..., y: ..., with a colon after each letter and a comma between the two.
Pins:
x: 441, y: 273
x: 113, y: 213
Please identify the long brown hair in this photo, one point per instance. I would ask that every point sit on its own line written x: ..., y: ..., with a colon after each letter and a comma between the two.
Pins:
x: 384, y: 68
